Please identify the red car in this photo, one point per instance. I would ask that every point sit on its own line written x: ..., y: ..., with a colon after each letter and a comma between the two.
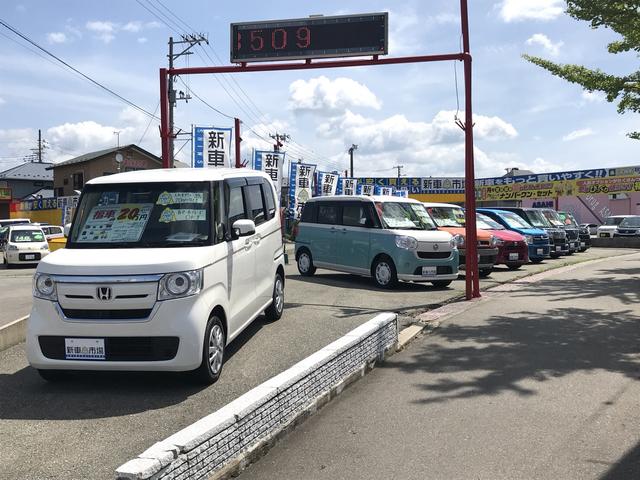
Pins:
x: 513, y: 250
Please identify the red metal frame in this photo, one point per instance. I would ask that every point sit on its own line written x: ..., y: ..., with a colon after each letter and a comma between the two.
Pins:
x: 471, y: 272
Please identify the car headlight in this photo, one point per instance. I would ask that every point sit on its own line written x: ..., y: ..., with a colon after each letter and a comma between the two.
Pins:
x: 181, y: 284
x: 496, y: 242
x: 529, y: 239
x: 13, y: 247
x: 457, y: 241
x: 408, y: 243
x: 44, y: 287
x: 44, y: 247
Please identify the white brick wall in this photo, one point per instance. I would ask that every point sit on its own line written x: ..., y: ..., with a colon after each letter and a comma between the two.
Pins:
x: 224, y: 439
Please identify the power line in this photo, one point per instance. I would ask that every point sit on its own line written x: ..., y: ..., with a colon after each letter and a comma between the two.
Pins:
x: 87, y: 77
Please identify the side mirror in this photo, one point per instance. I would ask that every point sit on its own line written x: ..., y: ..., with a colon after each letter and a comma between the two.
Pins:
x: 242, y: 228
x: 67, y: 229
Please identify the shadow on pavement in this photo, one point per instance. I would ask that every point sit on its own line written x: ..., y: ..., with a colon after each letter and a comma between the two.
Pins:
x: 356, y: 282
x: 627, y: 468
x: 100, y: 394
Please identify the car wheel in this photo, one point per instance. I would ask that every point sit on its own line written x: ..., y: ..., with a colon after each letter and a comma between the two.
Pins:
x: 275, y: 310
x: 305, y: 263
x: 485, y: 272
x: 54, y: 375
x: 384, y: 272
x: 441, y: 283
x: 212, y: 352
x: 514, y: 266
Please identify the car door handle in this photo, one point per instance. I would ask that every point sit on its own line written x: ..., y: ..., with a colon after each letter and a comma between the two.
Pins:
x: 257, y: 239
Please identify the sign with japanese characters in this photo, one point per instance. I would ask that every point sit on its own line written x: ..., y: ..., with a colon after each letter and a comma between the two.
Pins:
x: 366, y: 189
x: 115, y: 223
x: 384, y: 191
x: 271, y: 163
x: 327, y: 183
x: 347, y: 186
x: 403, y: 192
x: 300, y: 187
x: 211, y: 147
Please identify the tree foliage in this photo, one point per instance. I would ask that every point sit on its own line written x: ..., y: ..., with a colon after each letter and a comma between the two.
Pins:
x: 623, y: 17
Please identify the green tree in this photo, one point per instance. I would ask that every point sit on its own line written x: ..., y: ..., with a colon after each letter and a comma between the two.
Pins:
x: 623, y: 17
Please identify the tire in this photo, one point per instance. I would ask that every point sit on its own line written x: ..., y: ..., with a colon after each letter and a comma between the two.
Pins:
x: 54, y: 375
x: 384, y: 273
x: 275, y: 310
x: 514, y: 266
x: 536, y: 260
x: 305, y: 263
x: 485, y: 272
x: 441, y: 283
x: 212, y: 352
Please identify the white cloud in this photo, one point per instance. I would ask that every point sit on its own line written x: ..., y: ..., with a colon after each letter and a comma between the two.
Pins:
x: 517, y: 10
x: 133, y: 27
x: 327, y: 96
x: 143, y: 40
x: 106, y: 30
x: 584, y: 132
x: 541, y: 39
x: 593, y: 97
x: 57, y: 37
x: 2, y: 101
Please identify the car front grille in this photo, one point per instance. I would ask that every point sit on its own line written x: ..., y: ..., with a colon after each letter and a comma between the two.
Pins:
x: 120, y: 349
x: 129, y: 314
x: 434, y: 255
x: 440, y: 270
x: 23, y: 256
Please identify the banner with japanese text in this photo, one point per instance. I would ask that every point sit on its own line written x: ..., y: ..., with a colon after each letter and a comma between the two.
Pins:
x: 384, y: 191
x: 327, y: 183
x: 271, y: 163
x: 300, y: 187
x: 366, y: 189
x: 403, y: 192
x: 211, y: 147
x: 348, y: 186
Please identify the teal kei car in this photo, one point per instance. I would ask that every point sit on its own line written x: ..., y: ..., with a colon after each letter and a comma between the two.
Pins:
x: 537, y: 239
x: 382, y: 237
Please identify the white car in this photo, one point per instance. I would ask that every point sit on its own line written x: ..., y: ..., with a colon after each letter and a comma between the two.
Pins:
x: 23, y: 245
x: 52, y: 231
x: 162, y: 269
x: 610, y: 225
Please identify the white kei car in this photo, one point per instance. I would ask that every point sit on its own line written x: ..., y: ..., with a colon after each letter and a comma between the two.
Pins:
x: 23, y: 245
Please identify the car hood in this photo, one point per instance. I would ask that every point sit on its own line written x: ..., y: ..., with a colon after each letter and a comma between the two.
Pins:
x: 531, y: 231
x: 482, y: 234
x: 507, y: 235
x: 425, y: 235
x: 125, y: 261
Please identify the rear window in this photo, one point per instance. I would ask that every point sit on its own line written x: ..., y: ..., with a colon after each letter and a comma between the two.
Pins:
x: 328, y: 214
x: 307, y: 212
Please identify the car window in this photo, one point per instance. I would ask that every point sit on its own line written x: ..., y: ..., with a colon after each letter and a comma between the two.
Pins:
x: 236, y: 205
x: 327, y: 214
x: 630, y: 222
x: 256, y: 205
x: 354, y: 215
x: 267, y: 191
x: 308, y: 211
x: 24, y: 236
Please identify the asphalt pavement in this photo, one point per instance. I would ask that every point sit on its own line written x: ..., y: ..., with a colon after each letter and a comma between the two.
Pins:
x: 539, y: 382
x: 15, y: 292
x: 96, y: 422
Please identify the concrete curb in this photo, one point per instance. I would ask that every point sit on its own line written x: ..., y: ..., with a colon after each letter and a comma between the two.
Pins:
x: 13, y: 333
x: 223, y: 443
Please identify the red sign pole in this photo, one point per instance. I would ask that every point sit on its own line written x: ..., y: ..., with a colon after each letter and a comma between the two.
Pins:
x: 165, y: 132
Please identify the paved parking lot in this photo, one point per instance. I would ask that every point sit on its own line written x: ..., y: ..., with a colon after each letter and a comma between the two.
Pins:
x: 106, y: 419
x: 15, y: 292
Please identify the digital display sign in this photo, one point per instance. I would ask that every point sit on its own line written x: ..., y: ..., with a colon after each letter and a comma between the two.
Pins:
x: 313, y: 37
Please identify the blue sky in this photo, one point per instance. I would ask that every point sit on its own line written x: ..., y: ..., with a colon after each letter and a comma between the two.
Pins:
x: 399, y: 114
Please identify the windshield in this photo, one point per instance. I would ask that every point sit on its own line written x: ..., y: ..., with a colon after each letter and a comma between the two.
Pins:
x: 25, y: 236
x: 143, y: 215
x: 568, y: 219
x: 552, y: 217
x: 514, y: 220
x: 484, y: 222
x: 630, y: 222
x: 404, y: 216
x: 537, y: 219
x: 613, y: 220
x: 447, y: 216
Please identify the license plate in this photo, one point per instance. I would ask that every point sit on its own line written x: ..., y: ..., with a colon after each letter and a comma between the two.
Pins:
x: 429, y: 271
x: 558, y: 248
x: 603, y: 235
x: 29, y: 257
x: 540, y: 251
x: 84, y: 349
x: 514, y: 256
x: 583, y: 244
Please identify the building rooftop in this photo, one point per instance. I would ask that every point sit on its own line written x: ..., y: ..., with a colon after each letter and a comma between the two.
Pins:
x: 101, y: 153
x: 29, y: 171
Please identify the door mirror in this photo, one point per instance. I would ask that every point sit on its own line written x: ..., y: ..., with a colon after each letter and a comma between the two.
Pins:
x: 67, y: 229
x: 242, y: 228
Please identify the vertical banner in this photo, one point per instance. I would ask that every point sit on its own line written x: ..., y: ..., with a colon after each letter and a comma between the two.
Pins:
x: 328, y: 183
x: 365, y: 189
x: 211, y: 147
x: 271, y: 163
x: 384, y: 191
x: 348, y: 186
x: 300, y: 187
x: 403, y: 192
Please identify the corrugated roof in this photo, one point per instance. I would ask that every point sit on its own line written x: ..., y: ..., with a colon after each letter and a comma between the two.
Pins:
x: 29, y: 171
x: 100, y: 153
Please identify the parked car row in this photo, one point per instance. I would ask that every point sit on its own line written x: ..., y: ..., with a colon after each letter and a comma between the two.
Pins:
x: 26, y: 243
x: 620, y: 226
x: 392, y: 239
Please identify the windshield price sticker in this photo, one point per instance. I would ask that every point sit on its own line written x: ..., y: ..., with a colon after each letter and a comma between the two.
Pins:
x: 169, y: 215
x: 170, y: 198
x: 121, y: 223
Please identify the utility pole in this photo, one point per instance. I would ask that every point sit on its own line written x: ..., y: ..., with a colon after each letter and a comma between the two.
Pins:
x: 39, y: 146
x: 238, y: 139
x: 191, y: 40
x: 117, y: 134
x: 399, y: 167
x: 353, y: 147
x: 279, y: 138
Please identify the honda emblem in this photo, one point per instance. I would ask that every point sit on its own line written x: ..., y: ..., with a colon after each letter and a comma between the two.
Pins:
x: 104, y: 293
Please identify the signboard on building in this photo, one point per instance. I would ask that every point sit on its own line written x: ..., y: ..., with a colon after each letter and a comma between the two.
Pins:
x: 211, y: 147
x: 5, y: 193
x: 272, y: 163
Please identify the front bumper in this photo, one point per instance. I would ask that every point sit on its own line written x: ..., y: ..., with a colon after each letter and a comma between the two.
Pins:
x: 409, y: 267
x: 183, y: 318
x: 539, y: 250
x: 486, y: 258
x: 20, y: 257
x: 509, y: 254
x: 560, y: 247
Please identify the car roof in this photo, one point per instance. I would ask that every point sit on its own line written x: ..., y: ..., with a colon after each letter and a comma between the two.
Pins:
x: 437, y: 204
x: 160, y: 175
x: 24, y: 227
x: 369, y: 198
